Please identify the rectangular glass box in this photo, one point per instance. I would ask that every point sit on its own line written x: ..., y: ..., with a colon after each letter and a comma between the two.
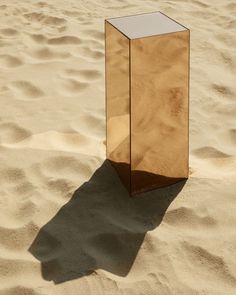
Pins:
x: 147, y: 100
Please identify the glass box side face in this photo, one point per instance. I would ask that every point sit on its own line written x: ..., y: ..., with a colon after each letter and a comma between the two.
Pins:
x: 159, y: 110
x: 117, y: 102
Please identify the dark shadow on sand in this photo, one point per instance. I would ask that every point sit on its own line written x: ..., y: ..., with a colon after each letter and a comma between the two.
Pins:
x: 100, y: 227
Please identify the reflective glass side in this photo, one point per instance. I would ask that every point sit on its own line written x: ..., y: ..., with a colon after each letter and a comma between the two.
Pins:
x: 159, y: 110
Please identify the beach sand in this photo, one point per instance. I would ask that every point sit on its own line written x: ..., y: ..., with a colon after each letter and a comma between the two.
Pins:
x: 67, y: 224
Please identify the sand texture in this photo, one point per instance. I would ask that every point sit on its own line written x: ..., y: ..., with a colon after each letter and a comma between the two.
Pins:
x: 67, y: 224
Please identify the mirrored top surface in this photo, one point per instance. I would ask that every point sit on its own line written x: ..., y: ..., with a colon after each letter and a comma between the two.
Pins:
x: 146, y: 24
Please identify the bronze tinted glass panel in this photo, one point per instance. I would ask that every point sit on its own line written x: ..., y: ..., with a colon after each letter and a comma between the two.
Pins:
x: 117, y: 101
x: 147, y: 107
x: 159, y: 110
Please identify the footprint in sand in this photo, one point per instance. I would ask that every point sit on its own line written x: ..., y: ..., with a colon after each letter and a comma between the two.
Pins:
x: 209, y: 152
x: 12, y: 133
x: 21, y: 214
x: 46, y: 53
x: 24, y: 189
x: 17, y: 184
x: 10, y: 61
x: 25, y: 90
x: 73, y: 86
x: 9, y: 32
x: 19, y: 237
x: 222, y: 89
x: 42, y: 4
x: 3, y: 7
x: 85, y: 75
x: 12, y: 175
x: 38, y: 38
x: 87, y: 52
x: 61, y: 187
x: 44, y: 19
x: 227, y: 59
x: 64, y: 40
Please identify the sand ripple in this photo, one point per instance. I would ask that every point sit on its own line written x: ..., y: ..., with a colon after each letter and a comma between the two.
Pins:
x: 64, y: 223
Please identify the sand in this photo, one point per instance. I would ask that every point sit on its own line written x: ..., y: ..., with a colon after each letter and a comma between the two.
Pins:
x: 67, y: 224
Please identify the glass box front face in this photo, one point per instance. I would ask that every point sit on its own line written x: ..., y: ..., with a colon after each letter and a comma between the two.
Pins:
x: 159, y: 110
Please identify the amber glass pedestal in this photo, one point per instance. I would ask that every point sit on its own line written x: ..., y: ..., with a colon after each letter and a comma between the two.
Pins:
x: 147, y: 104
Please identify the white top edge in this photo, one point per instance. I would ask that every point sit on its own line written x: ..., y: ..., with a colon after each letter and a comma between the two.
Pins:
x: 147, y: 24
